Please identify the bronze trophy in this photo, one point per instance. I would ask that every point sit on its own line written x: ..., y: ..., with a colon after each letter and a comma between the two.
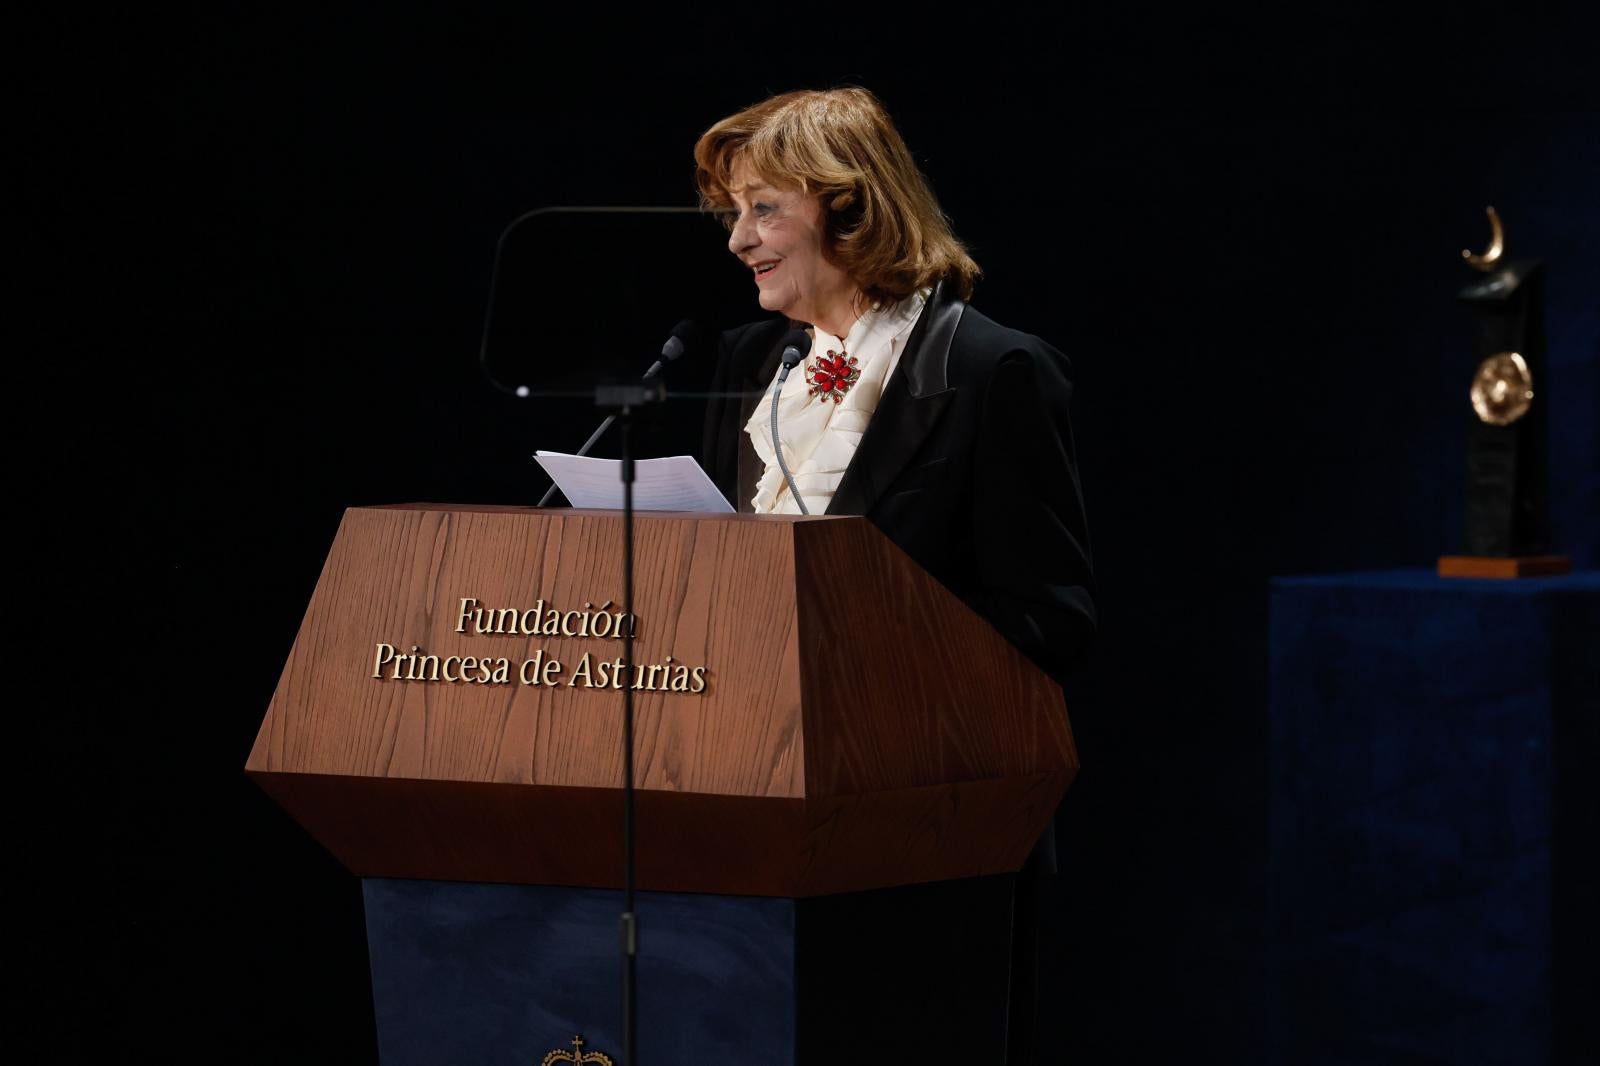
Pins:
x: 1507, y: 512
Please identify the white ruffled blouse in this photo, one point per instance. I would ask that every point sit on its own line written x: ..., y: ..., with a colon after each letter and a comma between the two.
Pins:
x: 820, y: 436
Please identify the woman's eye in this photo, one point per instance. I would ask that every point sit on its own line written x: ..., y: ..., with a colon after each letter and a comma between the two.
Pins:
x: 764, y: 210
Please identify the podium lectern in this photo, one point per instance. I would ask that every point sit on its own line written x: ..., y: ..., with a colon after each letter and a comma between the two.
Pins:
x: 838, y: 764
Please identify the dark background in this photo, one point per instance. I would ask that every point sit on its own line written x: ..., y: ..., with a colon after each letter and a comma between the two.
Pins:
x: 275, y: 232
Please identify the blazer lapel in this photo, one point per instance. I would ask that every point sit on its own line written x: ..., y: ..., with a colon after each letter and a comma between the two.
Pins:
x: 916, y: 396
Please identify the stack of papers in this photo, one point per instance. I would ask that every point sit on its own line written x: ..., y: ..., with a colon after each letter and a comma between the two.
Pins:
x: 675, y: 483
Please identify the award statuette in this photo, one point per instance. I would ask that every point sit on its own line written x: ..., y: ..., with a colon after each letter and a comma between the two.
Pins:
x: 1507, y: 512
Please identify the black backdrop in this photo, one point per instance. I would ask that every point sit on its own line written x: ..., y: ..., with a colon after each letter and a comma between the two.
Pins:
x: 1244, y: 234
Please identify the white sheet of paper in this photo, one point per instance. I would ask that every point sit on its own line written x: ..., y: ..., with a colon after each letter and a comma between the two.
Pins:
x: 675, y: 483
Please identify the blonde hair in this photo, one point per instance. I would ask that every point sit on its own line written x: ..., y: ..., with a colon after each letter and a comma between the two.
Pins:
x: 884, y: 227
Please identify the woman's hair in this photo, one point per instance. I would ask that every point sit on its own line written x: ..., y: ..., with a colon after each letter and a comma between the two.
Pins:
x: 883, y: 226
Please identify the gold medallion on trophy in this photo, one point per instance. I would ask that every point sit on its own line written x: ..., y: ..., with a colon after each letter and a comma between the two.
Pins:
x: 1502, y: 389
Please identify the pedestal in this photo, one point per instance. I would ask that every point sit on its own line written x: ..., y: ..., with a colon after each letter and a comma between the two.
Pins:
x: 1431, y: 877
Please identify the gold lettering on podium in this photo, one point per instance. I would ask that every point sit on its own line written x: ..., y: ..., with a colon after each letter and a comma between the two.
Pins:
x: 541, y: 668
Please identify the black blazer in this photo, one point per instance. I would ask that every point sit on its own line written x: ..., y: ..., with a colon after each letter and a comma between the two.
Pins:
x: 967, y: 464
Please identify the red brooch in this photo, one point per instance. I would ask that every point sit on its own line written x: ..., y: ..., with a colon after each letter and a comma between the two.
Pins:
x: 832, y: 376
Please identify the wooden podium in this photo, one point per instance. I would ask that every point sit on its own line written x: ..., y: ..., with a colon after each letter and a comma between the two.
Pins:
x: 816, y: 717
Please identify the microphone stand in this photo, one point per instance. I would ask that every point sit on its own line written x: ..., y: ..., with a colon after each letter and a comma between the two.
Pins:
x: 669, y: 352
x: 594, y: 437
x: 622, y: 399
x: 627, y: 477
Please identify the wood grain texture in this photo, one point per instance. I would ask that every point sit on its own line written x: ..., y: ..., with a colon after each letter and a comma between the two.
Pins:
x: 905, y: 685
x: 934, y: 750
x: 531, y: 834
x: 736, y: 845
x: 706, y: 592
x: 1494, y: 567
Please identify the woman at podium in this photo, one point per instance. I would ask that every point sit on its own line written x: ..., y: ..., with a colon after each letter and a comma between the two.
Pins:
x: 947, y: 430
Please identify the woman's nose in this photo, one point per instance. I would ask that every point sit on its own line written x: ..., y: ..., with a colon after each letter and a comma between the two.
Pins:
x: 743, y: 235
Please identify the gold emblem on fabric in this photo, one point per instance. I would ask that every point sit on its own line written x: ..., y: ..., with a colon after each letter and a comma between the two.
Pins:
x: 577, y: 1055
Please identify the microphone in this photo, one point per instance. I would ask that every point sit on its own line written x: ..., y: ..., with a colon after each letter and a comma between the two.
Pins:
x: 683, y: 337
x: 796, y: 343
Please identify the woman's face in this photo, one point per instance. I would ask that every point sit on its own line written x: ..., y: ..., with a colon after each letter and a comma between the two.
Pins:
x: 778, y: 234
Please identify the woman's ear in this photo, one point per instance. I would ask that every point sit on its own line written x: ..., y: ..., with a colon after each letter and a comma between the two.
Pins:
x: 843, y: 222
x: 844, y: 210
